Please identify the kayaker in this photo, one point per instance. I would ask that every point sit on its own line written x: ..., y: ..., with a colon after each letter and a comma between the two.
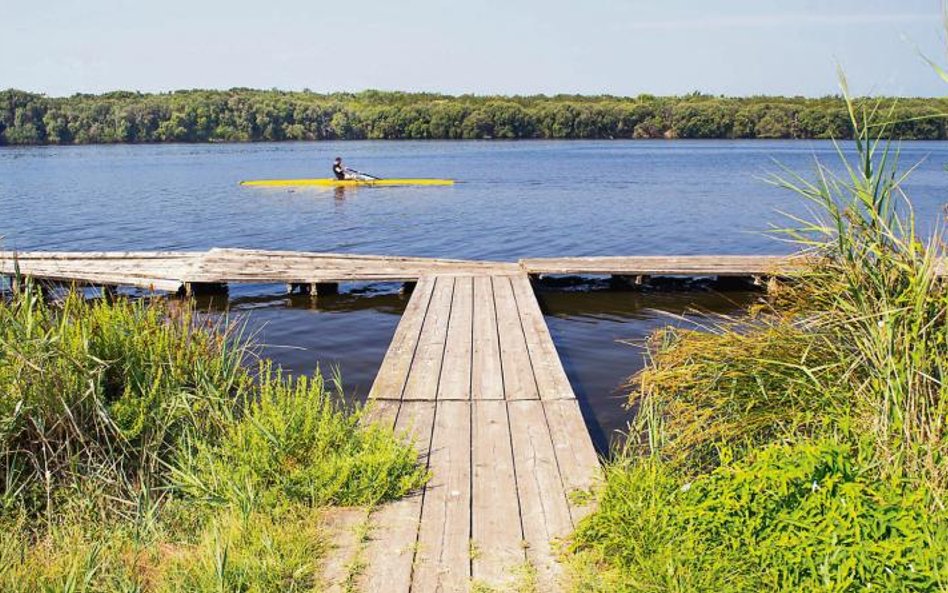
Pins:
x: 338, y: 170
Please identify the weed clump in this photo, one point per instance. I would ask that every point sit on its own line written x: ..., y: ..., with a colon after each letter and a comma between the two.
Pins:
x: 141, y: 451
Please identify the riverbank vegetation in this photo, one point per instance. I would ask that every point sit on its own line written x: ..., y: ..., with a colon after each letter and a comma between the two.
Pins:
x: 802, y: 448
x: 246, y: 115
x: 143, y: 448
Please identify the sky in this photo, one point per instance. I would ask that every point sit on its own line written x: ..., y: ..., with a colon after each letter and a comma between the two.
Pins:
x: 619, y: 47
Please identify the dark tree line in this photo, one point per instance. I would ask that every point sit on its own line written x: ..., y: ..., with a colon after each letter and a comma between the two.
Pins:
x: 246, y: 115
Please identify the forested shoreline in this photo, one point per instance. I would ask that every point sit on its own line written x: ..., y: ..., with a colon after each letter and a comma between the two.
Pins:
x: 247, y: 115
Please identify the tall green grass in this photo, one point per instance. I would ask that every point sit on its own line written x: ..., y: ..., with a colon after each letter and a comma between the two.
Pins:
x: 143, y: 448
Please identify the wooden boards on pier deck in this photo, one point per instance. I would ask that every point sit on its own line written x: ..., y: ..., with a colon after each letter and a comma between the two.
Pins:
x: 473, y: 376
x: 663, y: 265
x: 174, y: 271
x: 180, y: 270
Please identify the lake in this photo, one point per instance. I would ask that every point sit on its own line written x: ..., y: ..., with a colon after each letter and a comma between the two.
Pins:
x: 512, y: 200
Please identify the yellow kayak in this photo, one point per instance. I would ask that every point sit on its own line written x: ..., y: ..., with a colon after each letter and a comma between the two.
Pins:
x: 344, y: 182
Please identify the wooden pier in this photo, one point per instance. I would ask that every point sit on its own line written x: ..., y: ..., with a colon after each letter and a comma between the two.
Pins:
x: 471, y: 376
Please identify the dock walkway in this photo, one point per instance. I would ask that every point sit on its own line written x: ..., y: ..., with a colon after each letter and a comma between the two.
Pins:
x: 473, y: 375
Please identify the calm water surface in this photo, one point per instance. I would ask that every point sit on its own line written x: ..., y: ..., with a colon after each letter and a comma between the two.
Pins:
x: 513, y: 200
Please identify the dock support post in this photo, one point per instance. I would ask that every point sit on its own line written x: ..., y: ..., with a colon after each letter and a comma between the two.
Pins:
x: 204, y: 288
x: 740, y: 282
x: 323, y: 288
x: 313, y: 288
x: 624, y: 280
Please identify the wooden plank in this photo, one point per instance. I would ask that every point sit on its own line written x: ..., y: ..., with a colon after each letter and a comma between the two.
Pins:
x: 552, y: 382
x: 343, y: 526
x: 544, y: 511
x: 575, y: 454
x: 455, y: 382
x: 519, y: 382
x: 442, y: 560
x: 487, y: 379
x: 425, y: 371
x: 390, y: 381
x: 103, y: 279
x: 702, y: 265
x: 67, y: 255
x: 383, y: 412
x: 390, y: 551
x: 497, y: 536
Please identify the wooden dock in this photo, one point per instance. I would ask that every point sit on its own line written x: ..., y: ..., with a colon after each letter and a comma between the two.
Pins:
x: 473, y: 375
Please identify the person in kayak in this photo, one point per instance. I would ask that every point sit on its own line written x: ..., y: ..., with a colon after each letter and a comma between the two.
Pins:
x: 338, y: 170
x: 344, y: 173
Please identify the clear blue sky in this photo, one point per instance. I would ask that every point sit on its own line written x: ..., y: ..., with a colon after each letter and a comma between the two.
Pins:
x: 623, y: 47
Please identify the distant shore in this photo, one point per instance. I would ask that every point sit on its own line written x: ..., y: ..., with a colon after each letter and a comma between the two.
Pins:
x: 247, y: 115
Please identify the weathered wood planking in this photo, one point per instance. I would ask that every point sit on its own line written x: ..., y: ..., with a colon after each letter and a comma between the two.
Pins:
x: 662, y: 265
x: 455, y: 382
x: 442, y: 559
x: 425, y: 372
x: 473, y: 372
x: 151, y: 270
x: 390, y: 381
x: 487, y: 380
x: 551, y: 379
x: 544, y: 510
x: 497, y: 535
x: 343, y: 526
x: 518, y: 372
x: 241, y: 265
x: 575, y: 454
x: 389, y: 554
x: 173, y: 269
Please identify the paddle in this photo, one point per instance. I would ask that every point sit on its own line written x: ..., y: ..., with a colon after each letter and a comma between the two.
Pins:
x: 363, y: 174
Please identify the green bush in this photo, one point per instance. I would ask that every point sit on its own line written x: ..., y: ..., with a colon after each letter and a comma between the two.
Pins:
x: 832, y: 401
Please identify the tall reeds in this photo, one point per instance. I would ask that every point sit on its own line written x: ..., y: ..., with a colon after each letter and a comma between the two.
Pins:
x: 857, y: 342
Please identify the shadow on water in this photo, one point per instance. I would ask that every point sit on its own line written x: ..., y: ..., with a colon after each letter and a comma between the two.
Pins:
x: 600, y: 334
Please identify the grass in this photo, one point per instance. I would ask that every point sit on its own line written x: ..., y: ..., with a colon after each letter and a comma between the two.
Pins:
x: 811, y: 516
x: 140, y: 450
x: 802, y: 448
